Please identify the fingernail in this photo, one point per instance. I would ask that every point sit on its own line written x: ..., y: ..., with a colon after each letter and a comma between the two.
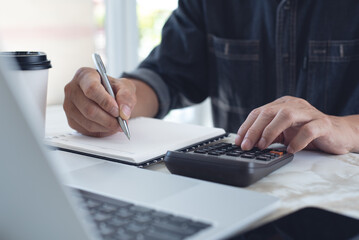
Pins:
x: 114, y: 111
x: 246, y: 144
x: 126, y: 110
x: 262, y: 143
x: 290, y: 149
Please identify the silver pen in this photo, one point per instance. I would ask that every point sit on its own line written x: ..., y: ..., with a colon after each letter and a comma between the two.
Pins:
x: 106, y: 83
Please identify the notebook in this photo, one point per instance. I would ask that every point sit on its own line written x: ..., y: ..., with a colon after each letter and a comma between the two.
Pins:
x: 150, y: 140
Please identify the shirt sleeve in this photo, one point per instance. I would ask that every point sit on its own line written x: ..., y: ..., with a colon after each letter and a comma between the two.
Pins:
x: 177, y: 68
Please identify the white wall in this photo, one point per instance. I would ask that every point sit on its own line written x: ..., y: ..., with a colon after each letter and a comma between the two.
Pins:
x: 63, y: 29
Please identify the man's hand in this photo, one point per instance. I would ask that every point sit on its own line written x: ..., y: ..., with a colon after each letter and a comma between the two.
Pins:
x: 297, y: 124
x: 91, y: 110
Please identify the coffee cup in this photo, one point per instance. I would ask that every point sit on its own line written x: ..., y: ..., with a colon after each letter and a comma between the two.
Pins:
x: 32, y: 72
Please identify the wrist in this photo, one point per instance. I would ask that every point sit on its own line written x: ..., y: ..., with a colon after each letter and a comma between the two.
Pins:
x: 147, y: 100
x: 352, y: 132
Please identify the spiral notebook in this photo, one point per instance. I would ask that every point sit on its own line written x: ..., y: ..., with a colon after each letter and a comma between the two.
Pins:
x: 150, y: 140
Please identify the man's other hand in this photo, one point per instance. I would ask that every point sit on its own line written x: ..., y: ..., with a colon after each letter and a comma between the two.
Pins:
x: 297, y: 124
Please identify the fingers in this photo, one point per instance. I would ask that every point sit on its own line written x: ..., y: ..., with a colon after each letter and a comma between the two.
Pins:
x: 245, y: 126
x: 93, y: 89
x: 91, y: 111
x: 306, y: 135
x: 249, y: 122
x: 82, y: 130
x: 254, y: 132
x: 267, y: 127
x: 279, y: 121
x: 85, y: 126
x: 88, y: 107
x: 273, y: 131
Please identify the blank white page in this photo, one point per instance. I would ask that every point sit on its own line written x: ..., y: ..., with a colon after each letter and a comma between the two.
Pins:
x: 150, y: 138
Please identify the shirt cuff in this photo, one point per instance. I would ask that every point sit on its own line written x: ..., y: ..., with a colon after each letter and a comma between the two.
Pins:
x: 157, y: 84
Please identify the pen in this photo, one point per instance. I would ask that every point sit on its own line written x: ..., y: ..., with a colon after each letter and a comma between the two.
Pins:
x: 106, y: 83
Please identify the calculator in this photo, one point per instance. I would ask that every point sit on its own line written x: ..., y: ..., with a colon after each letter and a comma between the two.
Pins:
x: 224, y: 162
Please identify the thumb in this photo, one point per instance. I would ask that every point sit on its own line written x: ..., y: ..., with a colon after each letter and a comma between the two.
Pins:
x: 126, y: 98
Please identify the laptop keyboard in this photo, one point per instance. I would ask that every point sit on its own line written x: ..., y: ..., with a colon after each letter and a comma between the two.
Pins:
x: 116, y: 219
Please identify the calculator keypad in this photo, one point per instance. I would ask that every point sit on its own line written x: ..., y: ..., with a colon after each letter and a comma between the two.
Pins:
x: 232, y: 150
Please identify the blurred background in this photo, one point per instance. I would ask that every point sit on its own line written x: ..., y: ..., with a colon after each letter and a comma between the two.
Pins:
x: 69, y: 31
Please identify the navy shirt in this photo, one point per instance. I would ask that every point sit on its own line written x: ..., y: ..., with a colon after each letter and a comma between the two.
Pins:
x: 246, y: 53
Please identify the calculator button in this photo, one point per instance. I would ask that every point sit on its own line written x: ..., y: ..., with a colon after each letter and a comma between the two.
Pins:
x: 266, y: 150
x: 262, y: 158
x: 248, y: 155
x: 214, y: 153
x: 238, y: 151
x: 277, y: 153
x: 233, y: 154
x: 224, y: 145
x: 255, y: 149
x: 235, y: 146
x: 229, y: 149
x: 200, y: 151
x: 269, y: 155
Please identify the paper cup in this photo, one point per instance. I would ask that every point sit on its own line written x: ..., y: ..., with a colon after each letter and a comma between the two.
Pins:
x: 33, y: 69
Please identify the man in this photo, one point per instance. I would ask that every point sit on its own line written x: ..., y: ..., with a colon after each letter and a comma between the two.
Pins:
x: 257, y: 60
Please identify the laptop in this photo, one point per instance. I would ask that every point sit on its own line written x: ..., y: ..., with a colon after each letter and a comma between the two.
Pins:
x: 105, y: 200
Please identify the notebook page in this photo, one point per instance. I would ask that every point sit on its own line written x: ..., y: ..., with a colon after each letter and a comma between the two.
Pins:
x: 150, y: 138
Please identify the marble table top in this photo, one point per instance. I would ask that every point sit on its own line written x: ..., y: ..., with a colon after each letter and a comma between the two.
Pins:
x: 311, y: 179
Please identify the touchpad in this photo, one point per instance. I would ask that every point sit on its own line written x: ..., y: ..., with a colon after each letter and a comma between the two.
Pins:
x: 128, y: 182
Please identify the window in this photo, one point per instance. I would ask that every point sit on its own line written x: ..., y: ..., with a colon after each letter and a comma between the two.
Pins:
x: 151, y: 17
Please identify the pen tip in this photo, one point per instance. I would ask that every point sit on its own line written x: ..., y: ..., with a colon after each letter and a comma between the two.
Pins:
x: 127, y: 133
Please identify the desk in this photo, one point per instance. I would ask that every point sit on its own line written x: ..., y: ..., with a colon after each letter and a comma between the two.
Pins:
x: 311, y: 179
